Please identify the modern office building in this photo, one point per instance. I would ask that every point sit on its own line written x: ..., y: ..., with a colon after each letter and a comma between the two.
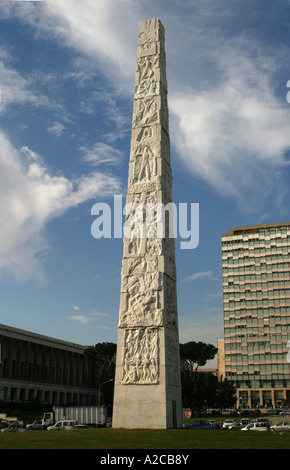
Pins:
x: 38, y: 368
x: 256, y: 308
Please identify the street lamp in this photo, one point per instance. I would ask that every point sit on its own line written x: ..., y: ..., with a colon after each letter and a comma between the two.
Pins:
x: 99, y: 391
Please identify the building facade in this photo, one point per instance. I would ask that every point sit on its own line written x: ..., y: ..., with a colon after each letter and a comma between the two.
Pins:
x: 256, y: 309
x: 37, y: 368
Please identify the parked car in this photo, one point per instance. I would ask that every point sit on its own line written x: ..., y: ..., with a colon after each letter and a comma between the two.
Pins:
x: 198, y: 425
x: 212, y: 424
x: 271, y: 412
x: 208, y: 411
x: 283, y: 426
x: 109, y: 423
x: 237, y: 426
x: 11, y: 428
x: 227, y: 423
x: 34, y: 425
x: 264, y: 420
x: 284, y: 412
x: 256, y: 427
x: 65, y: 424
x: 80, y: 426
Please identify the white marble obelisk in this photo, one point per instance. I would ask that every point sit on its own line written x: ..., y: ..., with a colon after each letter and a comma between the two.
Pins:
x: 147, y: 383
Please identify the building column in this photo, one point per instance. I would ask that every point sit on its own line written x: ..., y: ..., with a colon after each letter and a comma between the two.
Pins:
x: 273, y: 398
x: 261, y: 397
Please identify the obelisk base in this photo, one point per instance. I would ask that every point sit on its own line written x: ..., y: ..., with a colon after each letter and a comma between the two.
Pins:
x: 146, y: 406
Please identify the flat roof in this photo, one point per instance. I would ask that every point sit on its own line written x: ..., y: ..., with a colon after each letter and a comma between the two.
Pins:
x: 40, y: 339
x: 254, y: 228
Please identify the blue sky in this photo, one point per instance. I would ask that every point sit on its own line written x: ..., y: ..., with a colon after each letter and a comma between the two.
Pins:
x: 67, y: 71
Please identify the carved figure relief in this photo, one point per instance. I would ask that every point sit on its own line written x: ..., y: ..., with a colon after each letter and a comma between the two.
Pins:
x: 133, y: 228
x: 141, y: 356
x: 147, y: 48
x: 147, y: 83
x: 142, y: 291
x: 146, y: 112
x: 154, y: 246
x: 144, y: 198
x: 142, y: 295
x: 147, y: 41
x: 142, y: 264
x: 146, y: 187
x: 148, y: 164
x: 152, y: 318
x: 154, y: 220
x: 145, y: 133
x: 145, y: 166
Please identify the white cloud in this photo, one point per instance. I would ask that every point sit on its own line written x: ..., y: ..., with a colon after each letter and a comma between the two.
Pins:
x: 195, y: 276
x: 79, y: 318
x: 30, y: 198
x: 98, y: 28
x: 94, y: 28
x: 90, y: 319
x: 16, y: 89
x: 100, y: 153
x: 234, y: 136
x: 95, y: 313
x: 56, y: 128
x: 113, y: 115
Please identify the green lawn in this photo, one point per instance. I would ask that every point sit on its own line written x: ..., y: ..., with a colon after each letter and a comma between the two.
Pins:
x: 144, y: 439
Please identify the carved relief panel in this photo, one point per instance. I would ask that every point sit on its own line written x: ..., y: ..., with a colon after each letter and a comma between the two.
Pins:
x: 141, y: 301
x: 141, y: 356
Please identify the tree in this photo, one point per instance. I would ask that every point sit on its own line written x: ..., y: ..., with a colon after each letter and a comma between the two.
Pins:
x: 209, y: 392
x: 203, y: 392
x: 103, y: 357
x: 193, y: 355
x: 103, y: 354
x: 226, y: 394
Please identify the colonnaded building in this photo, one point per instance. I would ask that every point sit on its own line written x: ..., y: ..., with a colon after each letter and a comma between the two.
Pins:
x: 254, y: 354
x: 38, y: 368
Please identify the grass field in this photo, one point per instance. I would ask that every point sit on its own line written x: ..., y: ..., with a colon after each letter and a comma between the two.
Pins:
x: 109, y: 438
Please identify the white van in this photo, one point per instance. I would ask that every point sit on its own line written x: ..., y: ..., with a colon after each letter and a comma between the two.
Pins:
x: 65, y: 424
